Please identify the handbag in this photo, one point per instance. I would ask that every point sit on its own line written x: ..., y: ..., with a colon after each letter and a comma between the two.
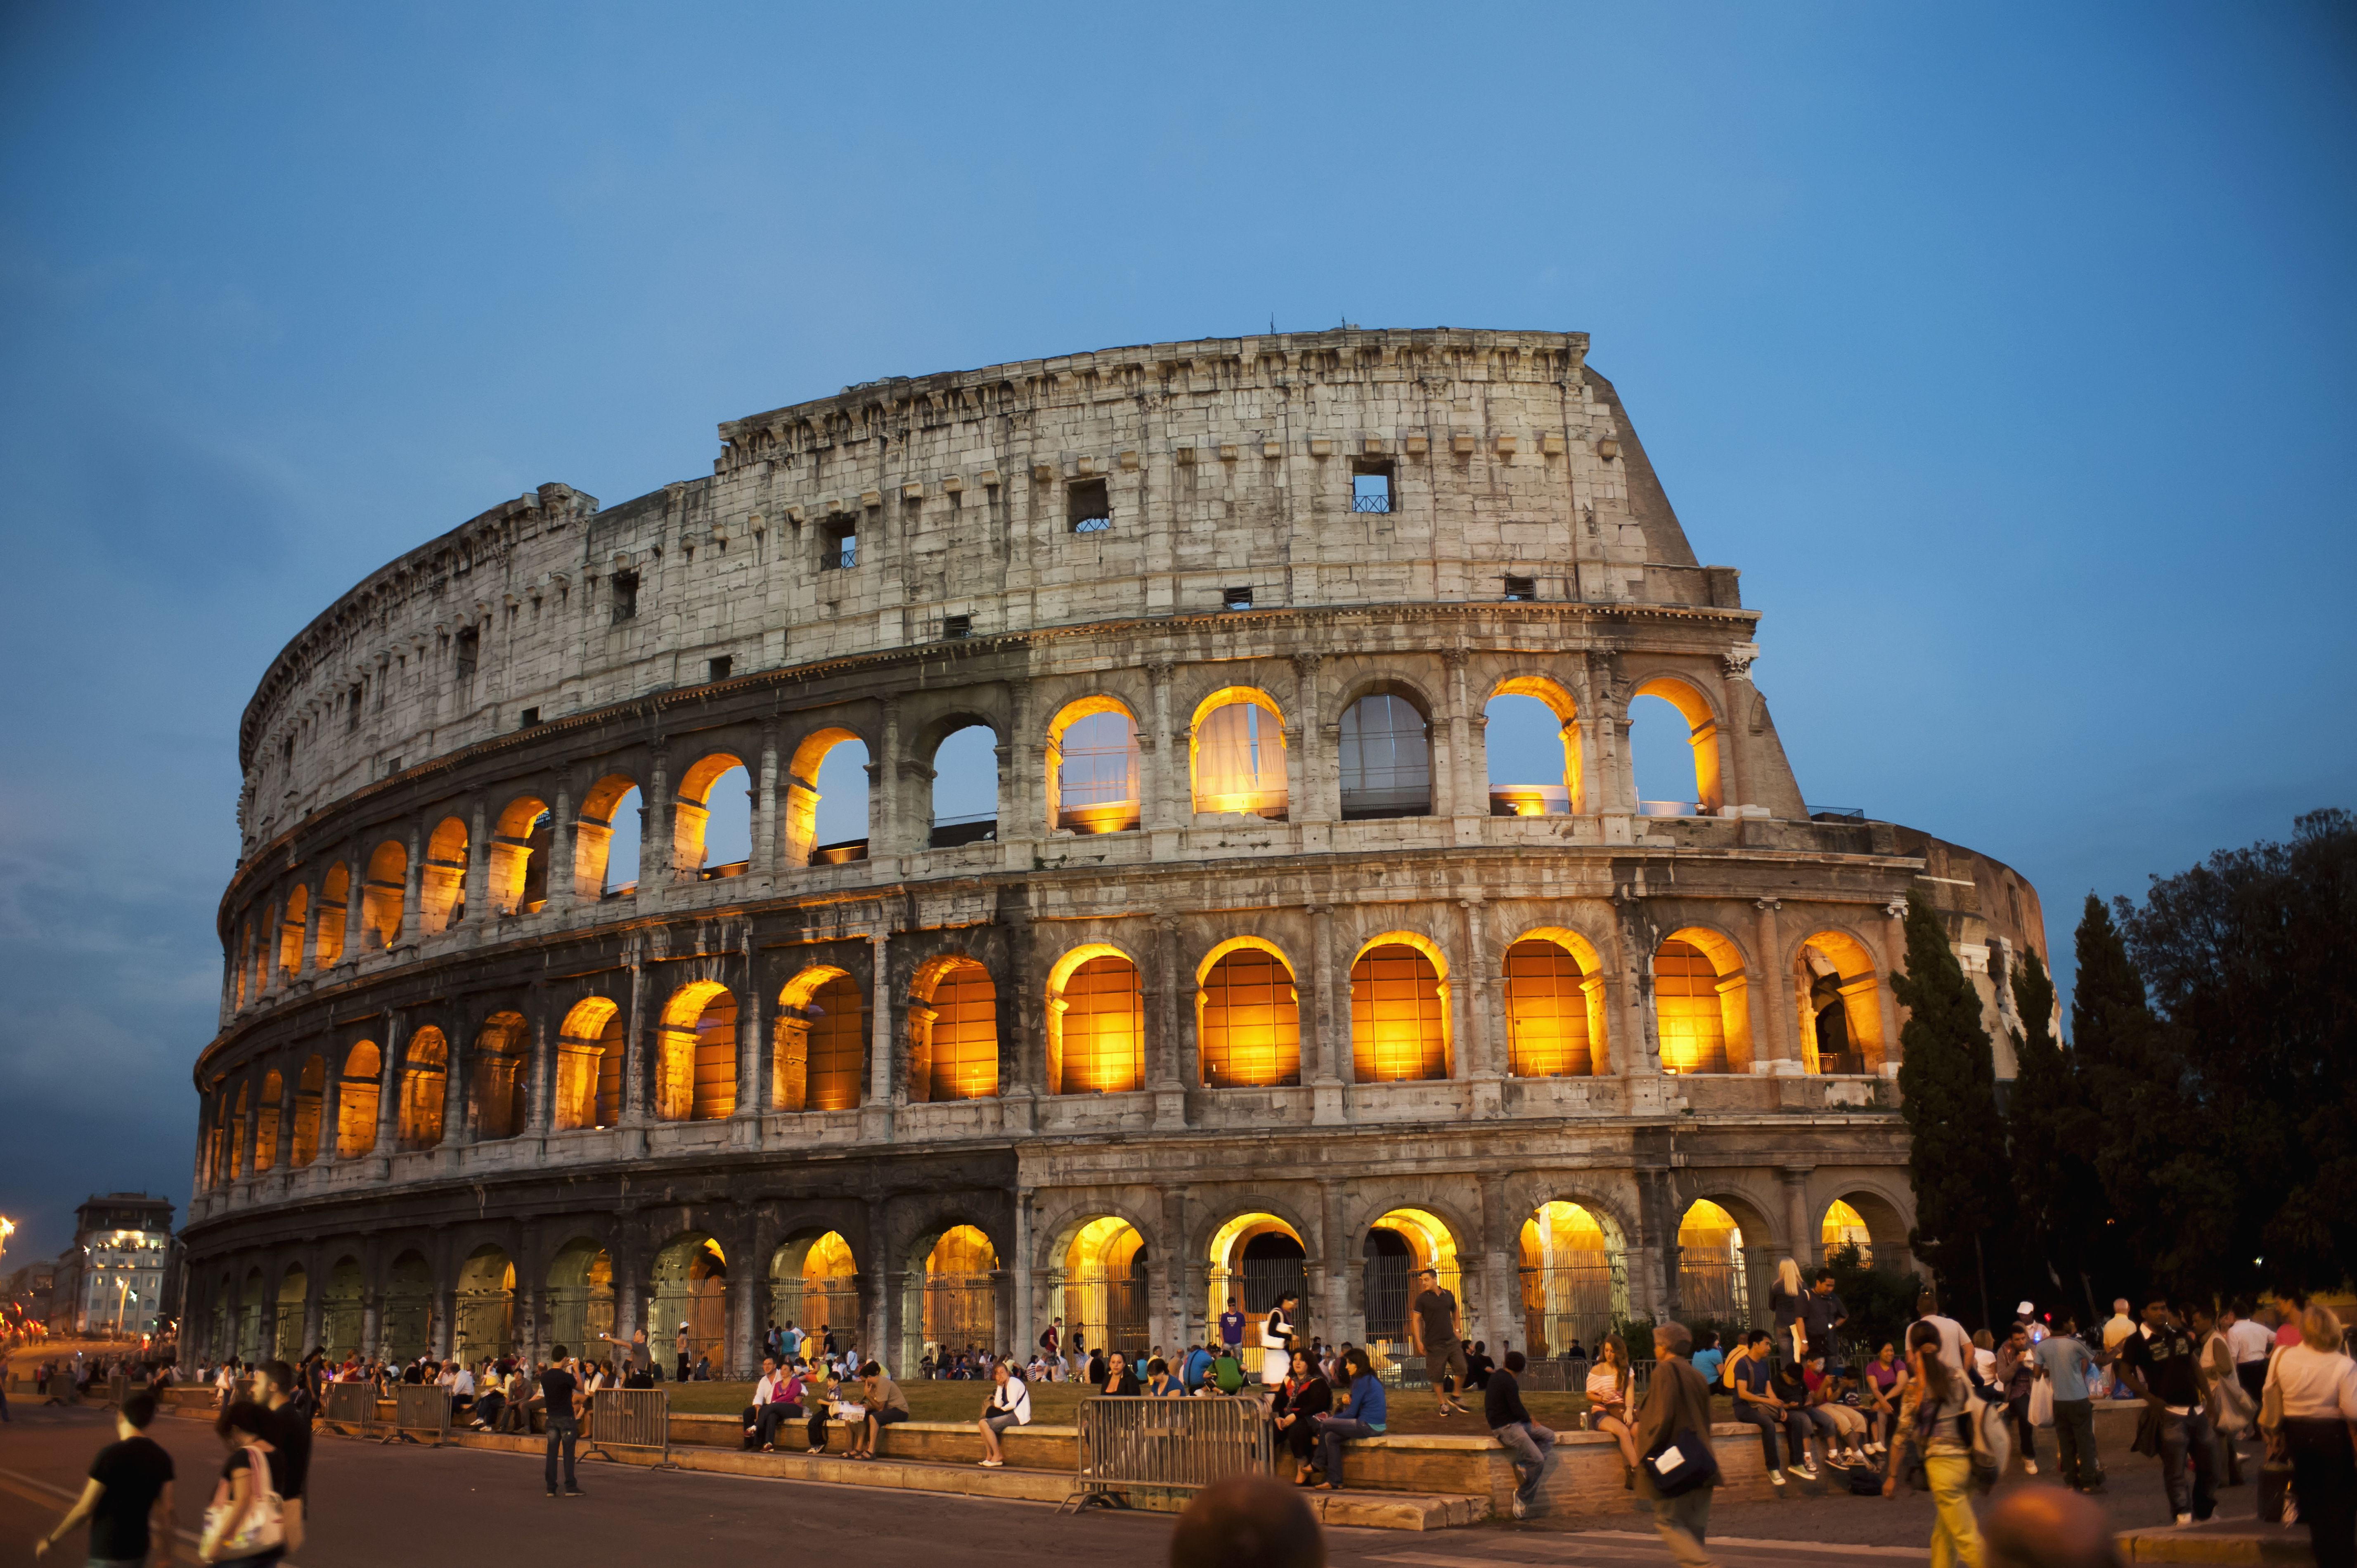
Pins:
x: 1680, y: 1463
x: 260, y: 1526
x: 2041, y: 1403
x: 2234, y: 1410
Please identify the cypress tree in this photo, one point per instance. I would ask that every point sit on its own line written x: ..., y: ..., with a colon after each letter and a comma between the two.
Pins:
x: 1947, y: 1078
x: 2053, y: 1135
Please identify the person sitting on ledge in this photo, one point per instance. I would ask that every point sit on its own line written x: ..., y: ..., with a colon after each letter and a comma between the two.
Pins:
x: 776, y: 1397
x: 1366, y: 1418
x: 885, y: 1406
x: 1009, y: 1405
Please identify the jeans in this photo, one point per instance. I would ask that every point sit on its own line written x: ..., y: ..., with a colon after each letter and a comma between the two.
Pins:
x: 2017, y: 1411
x: 1683, y: 1523
x: 1797, y: 1432
x: 2324, y: 1478
x: 2075, y: 1443
x: 2190, y: 1435
x: 771, y: 1416
x: 1527, y: 1446
x: 1956, y: 1539
x: 562, y: 1429
x: 1332, y: 1432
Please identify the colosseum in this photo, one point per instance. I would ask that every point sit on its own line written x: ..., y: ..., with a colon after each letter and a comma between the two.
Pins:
x: 628, y: 930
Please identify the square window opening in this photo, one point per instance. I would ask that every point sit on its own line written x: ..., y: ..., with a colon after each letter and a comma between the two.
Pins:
x: 717, y: 669
x: 1371, y: 487
x: 956, y: 627
x: 1520, y: 590
x: 839, y: 547
x: 1235, y: 599
x: 1088, y: 507
x: 531, y: 717
x: 626, y: 597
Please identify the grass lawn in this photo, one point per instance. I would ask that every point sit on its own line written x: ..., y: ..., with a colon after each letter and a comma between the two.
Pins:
x: 1053, y: 1404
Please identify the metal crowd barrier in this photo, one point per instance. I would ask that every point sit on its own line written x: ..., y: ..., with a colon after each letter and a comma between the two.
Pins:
x: 1167, y: 1444
x: 420, y: 1410
x: 629, y: 1418
x: 352, y: 1406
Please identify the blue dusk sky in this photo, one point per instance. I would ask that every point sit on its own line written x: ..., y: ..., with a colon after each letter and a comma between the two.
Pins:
x: 2006, y: 349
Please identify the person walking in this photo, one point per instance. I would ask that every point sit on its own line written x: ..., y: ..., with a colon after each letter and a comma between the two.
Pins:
x: 2158, y: 1361
x: 560, y: 1393
x: 1433, y: 1330
x: 2066, y: 1361
x: 1785, y: 1300
x: 127, y: 1497
x: 1932, y: 1446
x: 2252, y: 1343
x: 1677, y: 1411
x: 2308, y: 1409
x: 1526, y: 1443
x: 243, y: 1524
x: 2214, y: 1362
x: 1275, y: 1334
x: 290, y: 1435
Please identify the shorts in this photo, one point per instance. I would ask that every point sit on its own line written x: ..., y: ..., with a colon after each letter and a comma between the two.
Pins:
x: 999, y: 1419
x: 886, y: 1417
x: 1438, y: 1363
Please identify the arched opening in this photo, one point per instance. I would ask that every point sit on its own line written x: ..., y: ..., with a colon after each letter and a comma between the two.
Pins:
x: 1385, y: 754
x: 712, y: 820
x: 237, y: 1131
x: 1554, y: 1006
x: 1532, y: 745
x: 1840, y: 1005
x: 1712, y: 1278
x: 1399, y: 1246
x: 698, y: 1061
x: 241, y: 983
x: 964, y: 787
x: 484, y: 1321
x: 265, y: 1122
x: 495, y: 1106
x: 1673, y: 750
x: 1399, y: 1011
x: 1236, y: 754
x: 442, y: 881
x: 388, y: 871
x: 423, y: 1075
x: 408, y: 1308
x: 581, y: 1297
x: 954, y: 1031
x: 1575, y: 1277
x: 341, y: 1309
x: 826, y: 801
x: 287, y: 1331
x: 814, y: 1286
x: 1845, y: 1227
x: 692, y: 1291
x: 1873, y: 1224
x: 519, y: 868
x: 309, y: 1089
x: 820, y: 1041
x: 1104, y: 1292
x: 250, y: 1306
x: 1092, y: 769
x: 961, y: 1295
x: 588, y: 1085
x: 335, y: 910
x: 290, y: 932
x: 1096, y: 1023
x: 1702, y: 1003
x: 1257, y: 1258
x: 1247, y: 1017
x: 356, y: 1102
x: 606, y: 840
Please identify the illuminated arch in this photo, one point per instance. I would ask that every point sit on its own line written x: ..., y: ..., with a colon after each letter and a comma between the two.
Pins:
x: 1702, y: 1003
x: 593, y: 836
x: 1103, y: 1289
x: 954, y: 1030
x: 691, y: 809
x: 424, y: 1074
x: 691, y: 1287
x: 381, y: 899
x: 1839, y: 998
x: 335, y: 893
x: 342, y: 1309
x: 1702, y: 733
x: 265, y: 1121
x: 294, y: 1291
x: 1254, y: 1256
x: 697, y: 1065
x: 580, y: 1294
x: 483, y: 1321
x: 356, y: 1102
x: 1096, y: 1023
x: 1713, y: 1269
x: 1575, y: 1276
x: 1247, y: 1015
x: 1554, y: 1006
x: 1512, y: 798
x: 309, y: 1089
x: 1384, y: 754
x: 960, y: 1295
x: 815, y: 1285
x: 1092, y: 766
x: 1398, y: 1245
x: 407, y: 1324
x: 589, y: 1065
x: 290, y: 932
x: 1399, y: 1009
x: 442, y: 881
x: 496, y: 1080
x: 803, y: 797
x: 1235, y: 754
x: 820, y: 1041
x: 519, y: 868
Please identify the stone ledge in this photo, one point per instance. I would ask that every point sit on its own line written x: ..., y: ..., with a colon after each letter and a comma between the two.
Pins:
x: 2254, y: 1545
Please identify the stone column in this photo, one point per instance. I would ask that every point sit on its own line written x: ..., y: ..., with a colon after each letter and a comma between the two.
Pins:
x: 562, y: 845
x: 752, y: 1062
x: 1894, y: 959
x: 1473, y: 996
x: 332, y: 1109
x: 1165, y: 764
x: 314, y: 1303
x: 1020, y: 1324
x: 766, y: 840
x: 1334, y: 1259
x: 1780, y: 1055
x: 477, y: 884
x: 413, y: 915
x: 656, y: 859
x: 355, y: 908
x: 541, y: 1101
x: 884, y: 807
x: 1459, y: 783
x: 388, y: 1090
x: 879, y: 1283
x: 745, y: 1324
x: 309, y: 960
x: 1796, y: 1217
x: 1167, y: 1060
x: 282, y: 1160
x: 1329, y: 1039
x: 1018, y: 823
x: 1501, y: 1267
x: 1180, y: 1258
x: 1306, y: 799
x: 456, y: 1133
x: 371, y: 1323
x: 883, y: 1066
x: 635, y: 1032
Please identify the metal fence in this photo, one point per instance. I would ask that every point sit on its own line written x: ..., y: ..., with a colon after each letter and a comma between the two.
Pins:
x: 352, y: 1408
x: 1181, y: 1446
x: 421, y: 1412
x: 629, y: 1418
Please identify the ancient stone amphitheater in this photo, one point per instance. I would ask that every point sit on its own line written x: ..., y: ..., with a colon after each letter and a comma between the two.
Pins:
x: 1250, y: 972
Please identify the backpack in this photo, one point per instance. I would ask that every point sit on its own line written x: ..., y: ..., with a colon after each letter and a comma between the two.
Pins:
x: 1983, y: 1422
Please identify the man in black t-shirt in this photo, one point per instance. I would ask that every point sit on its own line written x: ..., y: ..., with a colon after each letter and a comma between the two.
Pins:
x: 561, y: 1392
x: 128, y: 1498
x: 1432, y: 1331
x: 2158, y: 1361
x: 290, y: 1438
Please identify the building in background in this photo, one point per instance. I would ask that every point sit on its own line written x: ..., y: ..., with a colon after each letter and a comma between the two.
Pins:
x: 111, y: 1281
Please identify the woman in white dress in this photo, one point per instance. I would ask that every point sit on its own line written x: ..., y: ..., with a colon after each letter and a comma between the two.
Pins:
x: 1274, y: 1359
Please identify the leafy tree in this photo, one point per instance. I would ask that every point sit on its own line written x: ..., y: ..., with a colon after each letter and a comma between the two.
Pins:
x: 2054, y: 1132
x: 1947, y: 1078
x: 1881, y: 1302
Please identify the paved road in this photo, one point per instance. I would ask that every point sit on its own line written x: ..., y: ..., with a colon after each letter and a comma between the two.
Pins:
x: 376, y: 1508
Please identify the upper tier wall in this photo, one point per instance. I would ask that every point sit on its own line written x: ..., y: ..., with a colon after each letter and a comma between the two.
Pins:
x: 1228, y: 464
